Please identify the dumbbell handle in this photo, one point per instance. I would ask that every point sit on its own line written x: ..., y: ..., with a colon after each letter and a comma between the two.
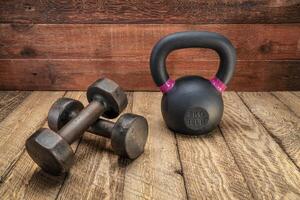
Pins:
x: 102, y: 127
x: 85, y: 118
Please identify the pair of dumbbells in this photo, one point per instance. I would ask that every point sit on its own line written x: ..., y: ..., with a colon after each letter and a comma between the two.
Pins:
x: 68, y: 119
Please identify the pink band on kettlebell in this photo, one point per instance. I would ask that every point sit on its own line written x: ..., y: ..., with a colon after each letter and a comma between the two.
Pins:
x: 167, y: 86
x: 219, y: 85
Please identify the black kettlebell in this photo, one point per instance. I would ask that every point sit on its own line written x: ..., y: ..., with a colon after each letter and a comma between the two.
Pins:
x: 192, y: 104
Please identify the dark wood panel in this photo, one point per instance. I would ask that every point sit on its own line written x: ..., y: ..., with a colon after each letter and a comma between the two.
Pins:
x: 135, y: 75
x: 135, y: 42
x: 166, y: 11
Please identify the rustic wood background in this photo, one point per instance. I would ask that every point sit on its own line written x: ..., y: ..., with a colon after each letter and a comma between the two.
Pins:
x: 66, y: 45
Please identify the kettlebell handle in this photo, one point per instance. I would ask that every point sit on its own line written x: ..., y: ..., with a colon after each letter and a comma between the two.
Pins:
x: 192, y: 39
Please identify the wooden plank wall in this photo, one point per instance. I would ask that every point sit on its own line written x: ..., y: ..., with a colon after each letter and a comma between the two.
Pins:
x: 66, y: 45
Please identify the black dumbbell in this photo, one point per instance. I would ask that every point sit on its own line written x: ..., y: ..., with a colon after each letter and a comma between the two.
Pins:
x: 52, y: 151
x: 128, y: 134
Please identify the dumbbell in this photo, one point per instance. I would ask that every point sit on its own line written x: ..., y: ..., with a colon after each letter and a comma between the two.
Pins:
x: 52, y: 151
x: 128, y: 134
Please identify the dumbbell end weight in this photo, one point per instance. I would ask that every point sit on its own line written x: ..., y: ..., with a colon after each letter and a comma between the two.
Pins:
x: 129, y: 135
x: 62, y: 111
x: 50, y: 151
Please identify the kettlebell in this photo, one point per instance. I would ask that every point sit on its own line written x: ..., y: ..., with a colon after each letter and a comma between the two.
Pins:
x: 192, y: 105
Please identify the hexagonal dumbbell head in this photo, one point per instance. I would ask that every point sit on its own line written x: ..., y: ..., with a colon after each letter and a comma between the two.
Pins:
x: 111, y: 94
x: 129, y: 135
x: 50, y: 151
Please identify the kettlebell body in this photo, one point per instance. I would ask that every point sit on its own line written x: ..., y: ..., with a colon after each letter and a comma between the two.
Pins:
x: 192, y: 104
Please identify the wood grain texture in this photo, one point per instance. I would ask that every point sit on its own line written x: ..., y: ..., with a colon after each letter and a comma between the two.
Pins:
x: 296, y: 93
x: 130, y: 42
x: 280, y: 122
x: 27, y: 181
x: 97, y: 173
x: 206, y: 161
x: 209, y: 169
x: 20, y: 124
x: 132, y: 75
x: 9, y: 100
x: 156, y: 174
x: 166, y: 11
x: 291, y: 100
x: 268, y: 171
x: 49, y: 55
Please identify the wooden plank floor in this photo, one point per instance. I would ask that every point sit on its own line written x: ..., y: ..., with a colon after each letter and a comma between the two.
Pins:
x: 253, y: 154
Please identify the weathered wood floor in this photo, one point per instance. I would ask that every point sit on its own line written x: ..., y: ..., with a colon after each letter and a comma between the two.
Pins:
x: 254, y: 154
